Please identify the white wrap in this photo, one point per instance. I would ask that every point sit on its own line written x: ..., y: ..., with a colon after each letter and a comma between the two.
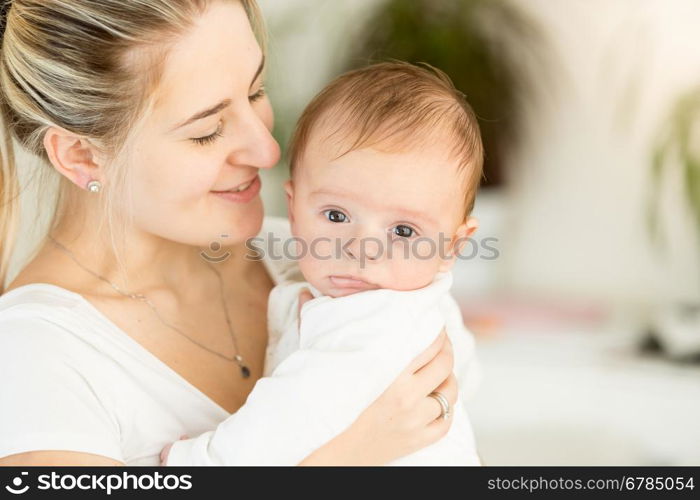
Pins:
x: 319, y: 379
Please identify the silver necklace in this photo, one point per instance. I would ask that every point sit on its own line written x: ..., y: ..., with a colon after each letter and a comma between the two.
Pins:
x: 245, y: 371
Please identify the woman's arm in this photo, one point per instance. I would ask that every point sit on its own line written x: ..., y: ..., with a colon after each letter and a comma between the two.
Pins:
x: 56, y: 458
x: 53, y: 415
x: 399, y: 417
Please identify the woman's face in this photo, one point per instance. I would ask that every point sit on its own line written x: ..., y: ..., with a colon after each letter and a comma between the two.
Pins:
x: 209, y: 133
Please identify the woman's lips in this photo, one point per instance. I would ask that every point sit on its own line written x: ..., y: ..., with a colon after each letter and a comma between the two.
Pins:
x: 351, y: 282
x: 243, y: 196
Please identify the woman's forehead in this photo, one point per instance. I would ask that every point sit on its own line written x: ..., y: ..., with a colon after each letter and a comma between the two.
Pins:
x: 214, y: 61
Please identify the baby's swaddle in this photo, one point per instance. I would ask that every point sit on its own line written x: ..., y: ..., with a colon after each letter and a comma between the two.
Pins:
x: 320, y: 378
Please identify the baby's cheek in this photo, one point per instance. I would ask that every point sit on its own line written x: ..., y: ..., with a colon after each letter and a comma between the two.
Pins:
x: 315, y: 257
x: 307, y: 268
x: 318, y: 250
x: 424, y: 249
x: 411, y: 267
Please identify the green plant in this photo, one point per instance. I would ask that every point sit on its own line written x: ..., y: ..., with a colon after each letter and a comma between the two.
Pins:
x: 488, y: 47
x: 678, y: 147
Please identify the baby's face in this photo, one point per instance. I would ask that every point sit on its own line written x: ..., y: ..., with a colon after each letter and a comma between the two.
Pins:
x: 373, y: 219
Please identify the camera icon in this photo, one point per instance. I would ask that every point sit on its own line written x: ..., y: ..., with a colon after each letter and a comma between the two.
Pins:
x: 215, y: 246
x: 16, y: 488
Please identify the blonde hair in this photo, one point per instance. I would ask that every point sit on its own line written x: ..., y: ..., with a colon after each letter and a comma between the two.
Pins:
x: 88, y: 67
x: 397, y: 105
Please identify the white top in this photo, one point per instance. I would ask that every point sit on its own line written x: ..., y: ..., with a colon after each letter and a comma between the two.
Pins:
x: 321, y: 376
x: 70, y: 379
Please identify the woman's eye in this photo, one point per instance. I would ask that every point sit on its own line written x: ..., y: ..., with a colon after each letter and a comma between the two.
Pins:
x: 403, y: 231
x: 208, y: 139
x: 335, y: 216
x: 258, y: 95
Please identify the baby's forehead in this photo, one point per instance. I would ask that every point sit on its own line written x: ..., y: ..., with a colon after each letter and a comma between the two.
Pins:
x: 421, y: 180
x: 330, y: 140
x: 401, y: 160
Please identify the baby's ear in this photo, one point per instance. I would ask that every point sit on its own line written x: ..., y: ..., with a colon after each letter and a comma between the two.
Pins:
x: 289, y: 190
x: 459, y: 239
x: 463, y: 233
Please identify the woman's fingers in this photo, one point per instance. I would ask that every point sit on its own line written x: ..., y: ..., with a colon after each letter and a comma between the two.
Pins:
x: 430, y: 408
x: 304, y: 296
x: 403, y: 419
x: 166, y: 451
x: 164, y: 454
x: 428, y: 354
x: 449, y: 388
x: 437, y: 429
x: 433, y: 374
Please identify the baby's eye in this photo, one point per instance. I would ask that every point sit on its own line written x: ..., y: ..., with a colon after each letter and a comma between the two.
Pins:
x: 403, y: 231
x: 335, y: 216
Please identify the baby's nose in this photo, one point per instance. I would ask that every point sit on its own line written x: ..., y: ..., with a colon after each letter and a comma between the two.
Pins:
x: 366, y: 248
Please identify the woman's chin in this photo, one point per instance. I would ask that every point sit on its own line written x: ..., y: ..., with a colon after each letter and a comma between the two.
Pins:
x: 248, y: 221
x: 244, y: 222
x: 227, y: 228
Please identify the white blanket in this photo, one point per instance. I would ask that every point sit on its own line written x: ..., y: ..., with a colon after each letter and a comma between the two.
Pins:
x: 320, y: 378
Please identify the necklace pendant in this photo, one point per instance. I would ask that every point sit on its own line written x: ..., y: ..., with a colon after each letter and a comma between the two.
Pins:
x: 245, y: 371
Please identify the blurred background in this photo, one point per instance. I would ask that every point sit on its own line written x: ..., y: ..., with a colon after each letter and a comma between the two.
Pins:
x: 587, y: 315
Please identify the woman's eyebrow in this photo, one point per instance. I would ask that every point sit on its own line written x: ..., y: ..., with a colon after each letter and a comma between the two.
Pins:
x: 223, y: 104
x: 260, y: 68
x: 203, y: 114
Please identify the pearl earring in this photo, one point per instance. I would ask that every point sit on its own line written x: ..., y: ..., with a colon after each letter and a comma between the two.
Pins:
x: 94, y: 186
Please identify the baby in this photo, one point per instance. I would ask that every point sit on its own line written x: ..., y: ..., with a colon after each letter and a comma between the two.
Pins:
x: 385, y: 163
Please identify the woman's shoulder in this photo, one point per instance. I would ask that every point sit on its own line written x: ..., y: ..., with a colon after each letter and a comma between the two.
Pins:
x: 46, y: 323
x: 51, y: 370
x: 36, y: 317
x: 37, y: 295
x: 35, y: 303
x: 274, y: 245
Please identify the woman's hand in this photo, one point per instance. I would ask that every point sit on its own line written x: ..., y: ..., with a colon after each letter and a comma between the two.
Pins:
x: 166, y: 451
x: 403, y: 419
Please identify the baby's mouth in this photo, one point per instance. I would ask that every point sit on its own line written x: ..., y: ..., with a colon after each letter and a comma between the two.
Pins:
x: 347, y: 281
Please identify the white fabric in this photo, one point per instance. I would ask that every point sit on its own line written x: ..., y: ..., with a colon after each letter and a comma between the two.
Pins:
x: 70, y: 379
x: 320, y: 378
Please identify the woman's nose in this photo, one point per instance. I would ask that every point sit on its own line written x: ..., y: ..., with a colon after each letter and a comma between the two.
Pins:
x: 253, y: 144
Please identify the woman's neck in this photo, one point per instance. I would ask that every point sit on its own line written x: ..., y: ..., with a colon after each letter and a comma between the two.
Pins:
x: 146, y: 261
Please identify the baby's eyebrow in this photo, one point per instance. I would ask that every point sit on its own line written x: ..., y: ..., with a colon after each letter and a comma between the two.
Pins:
x: 421, y: 216
x: 328, y: 192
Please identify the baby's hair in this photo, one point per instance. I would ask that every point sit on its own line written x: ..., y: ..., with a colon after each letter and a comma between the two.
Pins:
x: 398, y: 106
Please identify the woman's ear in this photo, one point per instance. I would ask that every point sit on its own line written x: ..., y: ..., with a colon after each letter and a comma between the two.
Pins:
x: 461, y: 237
x: 289, y: 190
x: 74, y: 156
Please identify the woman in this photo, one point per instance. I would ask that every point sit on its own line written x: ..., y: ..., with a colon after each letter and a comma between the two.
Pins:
x: 118, y: 336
